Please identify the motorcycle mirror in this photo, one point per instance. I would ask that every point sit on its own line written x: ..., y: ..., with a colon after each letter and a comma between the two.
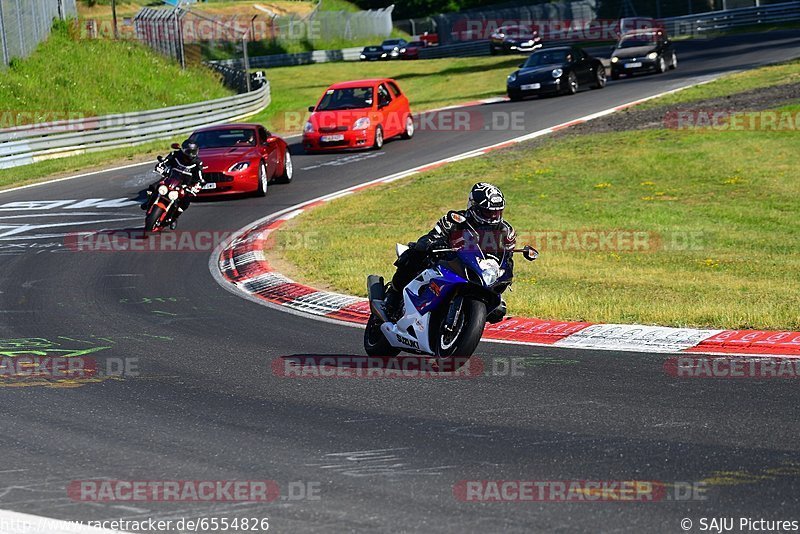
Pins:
x: 160, y: 159
x: 175, y: 146
x: 456, y: 217
x: 530, y: 253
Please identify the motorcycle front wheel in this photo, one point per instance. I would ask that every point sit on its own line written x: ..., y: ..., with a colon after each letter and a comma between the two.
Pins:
x: 152, y: 218
x: 375, y: 343
x: 460, y: 342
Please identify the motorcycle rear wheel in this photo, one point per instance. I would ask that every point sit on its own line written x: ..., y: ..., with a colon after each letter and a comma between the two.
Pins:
x: 375, y: 343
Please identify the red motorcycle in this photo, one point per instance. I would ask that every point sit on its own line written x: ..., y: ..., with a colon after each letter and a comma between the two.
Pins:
x: 163, y: 210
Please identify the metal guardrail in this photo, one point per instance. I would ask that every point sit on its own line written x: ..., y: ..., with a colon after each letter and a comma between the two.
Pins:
x: 691, y: 25
x: 29, y: 144
x: 287, y: 60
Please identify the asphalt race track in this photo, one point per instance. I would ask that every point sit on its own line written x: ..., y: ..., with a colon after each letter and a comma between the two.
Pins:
x: 383, y: 455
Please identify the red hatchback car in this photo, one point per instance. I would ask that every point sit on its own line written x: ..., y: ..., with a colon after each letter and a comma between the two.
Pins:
x: 358, y: 114
x: 241, y: 158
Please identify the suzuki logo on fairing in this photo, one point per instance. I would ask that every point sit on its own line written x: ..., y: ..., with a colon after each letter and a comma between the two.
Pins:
x: 407, y: 342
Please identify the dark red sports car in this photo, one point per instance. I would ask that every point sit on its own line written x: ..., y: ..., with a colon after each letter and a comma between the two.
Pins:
x: 241, y: 158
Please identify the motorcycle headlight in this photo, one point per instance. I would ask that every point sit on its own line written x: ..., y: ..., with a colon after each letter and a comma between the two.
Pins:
x: 308, y: 128
x: 242, y: 165
x: 512, y: 77
x: 163, y: 189
x: 173, y: 195
x: 557, y: 73
x: 361, y: 124
x: 614, y: 59
x: 652, y: 55
x: 490, y: 271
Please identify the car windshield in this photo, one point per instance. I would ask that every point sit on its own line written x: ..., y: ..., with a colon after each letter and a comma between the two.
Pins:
x: 633, y: 41
x: 516, y: 31
x: 225, y: 138
x: 372, y: 49
x: 392, y: 42
x: 547, y: 57
x: 416, y: 43
x: 349, y: 98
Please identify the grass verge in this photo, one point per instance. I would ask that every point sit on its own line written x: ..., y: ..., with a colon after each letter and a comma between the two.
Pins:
x: 723, y: 249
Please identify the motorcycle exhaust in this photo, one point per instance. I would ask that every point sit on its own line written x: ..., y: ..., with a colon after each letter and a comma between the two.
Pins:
x: 376, y: 292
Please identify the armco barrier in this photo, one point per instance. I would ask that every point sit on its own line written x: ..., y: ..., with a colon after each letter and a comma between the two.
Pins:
x: 28, y: 144
x: 301, y: 58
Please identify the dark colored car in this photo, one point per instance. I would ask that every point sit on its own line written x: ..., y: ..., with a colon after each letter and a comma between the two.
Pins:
x: 373, y: 53
x: 393, y: 46
x: 561, y: 70
x: 512, y: 39
x: 643, y: 51
x: 411, y: 50
x: 241, y: 158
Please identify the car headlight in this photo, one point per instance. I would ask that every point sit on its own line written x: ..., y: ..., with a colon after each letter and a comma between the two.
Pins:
x: 652, y: 55
x: 402, y: 50
x: 173, y: 195
x: 490, y: 271
x: 163, y: 189
x: 308, y: 128
x: 383, y: 55
x: 363, y: 56
x: 512, y: 77
x: 557, y: 73
x: 242, y: 165
x: 361, y: 124
x: 614, y: 59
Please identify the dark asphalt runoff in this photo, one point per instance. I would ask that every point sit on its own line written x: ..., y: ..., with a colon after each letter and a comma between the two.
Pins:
x: 200, y: 401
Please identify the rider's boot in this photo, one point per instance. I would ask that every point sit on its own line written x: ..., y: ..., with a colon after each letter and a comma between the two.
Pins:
x: 392, y: 302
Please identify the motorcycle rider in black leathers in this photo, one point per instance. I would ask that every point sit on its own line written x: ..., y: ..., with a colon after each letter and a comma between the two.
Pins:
x: 188, y: 165
x: 484, y: 214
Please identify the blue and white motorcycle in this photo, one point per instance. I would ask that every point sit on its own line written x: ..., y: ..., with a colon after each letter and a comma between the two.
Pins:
x: 445, y: 308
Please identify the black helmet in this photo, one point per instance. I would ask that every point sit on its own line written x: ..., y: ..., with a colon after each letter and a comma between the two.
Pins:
x: 190, y: 149
x: 486, y: 203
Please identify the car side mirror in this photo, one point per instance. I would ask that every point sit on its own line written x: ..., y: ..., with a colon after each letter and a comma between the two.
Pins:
x: 271, y: 139
x: 455, y: 217
x: 175, y: 146
x: 529, y: 253
x: 311, y: 109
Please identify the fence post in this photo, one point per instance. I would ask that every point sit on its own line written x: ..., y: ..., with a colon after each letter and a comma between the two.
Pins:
x: 20, y: 26
x: 6, y: 59
x: 246, y: 62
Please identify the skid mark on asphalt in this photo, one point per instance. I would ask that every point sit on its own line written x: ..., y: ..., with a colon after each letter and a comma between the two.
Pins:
x: 375, y: 462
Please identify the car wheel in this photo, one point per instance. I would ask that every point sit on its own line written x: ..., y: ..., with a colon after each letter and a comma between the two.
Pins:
x: 409, y: 133
x: 378, y: 144
x: 288, y: 168
x: 662, y: 65
x: 262, y: 180
x: 674, y: 63
x: 572, y: 84
x: 600, y: 77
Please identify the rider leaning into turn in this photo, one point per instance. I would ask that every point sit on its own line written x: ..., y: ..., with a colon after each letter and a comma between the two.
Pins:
x: 186, y: 162
x: 484, y: 214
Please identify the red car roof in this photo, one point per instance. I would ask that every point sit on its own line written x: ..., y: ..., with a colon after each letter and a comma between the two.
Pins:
x: 359, y: 83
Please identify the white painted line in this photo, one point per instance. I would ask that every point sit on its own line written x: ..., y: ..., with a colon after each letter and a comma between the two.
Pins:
x: 84, y: 175
x: 17, y: 523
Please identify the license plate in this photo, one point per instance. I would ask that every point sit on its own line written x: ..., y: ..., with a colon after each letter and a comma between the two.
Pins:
x: 210, y: 185
x: 531, y: 86
x: 633, y: 65
x: 329, y: 138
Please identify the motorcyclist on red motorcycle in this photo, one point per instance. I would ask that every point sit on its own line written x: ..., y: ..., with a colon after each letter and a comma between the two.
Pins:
x: 187, y: 164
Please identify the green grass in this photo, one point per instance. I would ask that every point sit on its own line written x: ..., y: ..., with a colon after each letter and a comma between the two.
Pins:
x: 779, y: 74
x: 428, y: 84
x: 99, y: 77
x: 743, y: 270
